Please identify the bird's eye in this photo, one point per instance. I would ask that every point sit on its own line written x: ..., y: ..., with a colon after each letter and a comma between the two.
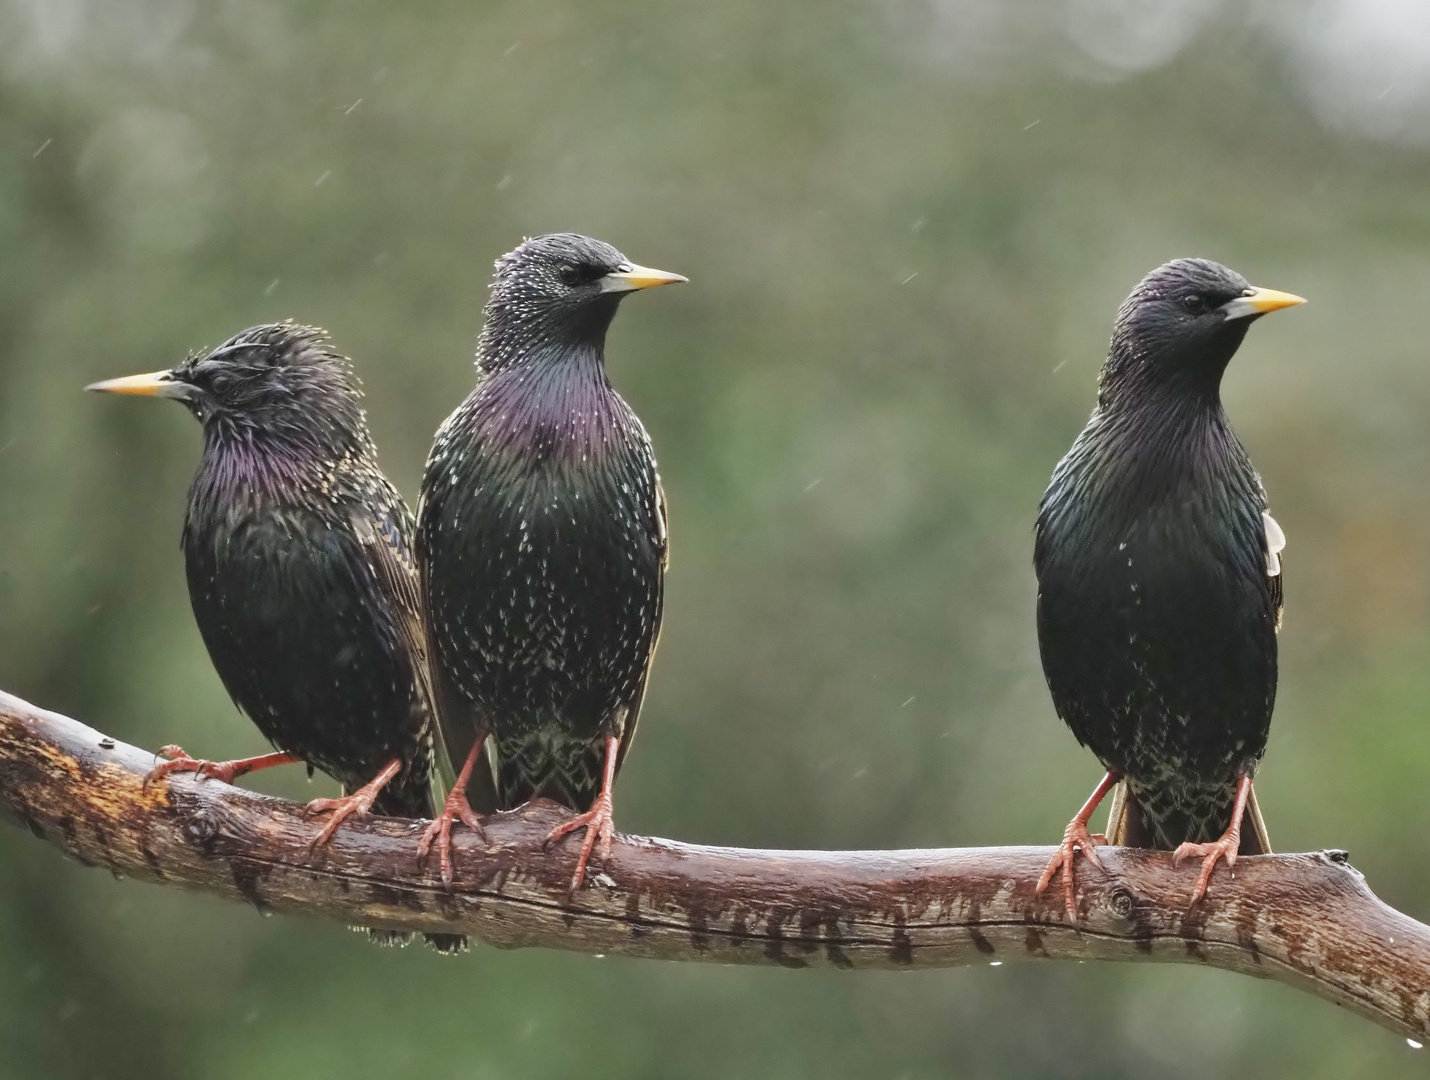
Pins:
x: 569, y: 275
x: 1194, y: 303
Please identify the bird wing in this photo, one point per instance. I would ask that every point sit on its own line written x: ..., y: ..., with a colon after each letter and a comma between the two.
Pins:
x: 662, y: 539
x: 456, y: 718
x: 384, y: 527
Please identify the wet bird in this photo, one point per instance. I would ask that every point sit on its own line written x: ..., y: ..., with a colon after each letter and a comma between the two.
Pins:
x: 299, y: 560
x: 541, y: 539
x: 1159, y: 580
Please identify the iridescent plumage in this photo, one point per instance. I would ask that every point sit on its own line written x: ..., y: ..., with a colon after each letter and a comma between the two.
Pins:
x: 542, y: 538
x: 1159, y: 586
x: 299, y: 559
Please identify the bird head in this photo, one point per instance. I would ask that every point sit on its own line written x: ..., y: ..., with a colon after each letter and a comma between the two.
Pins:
x: 277, y: 378
x: 561, y: 289
x: 1183, y: 323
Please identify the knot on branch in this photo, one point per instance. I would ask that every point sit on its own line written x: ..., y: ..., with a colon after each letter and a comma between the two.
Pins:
x: 1122, y: 901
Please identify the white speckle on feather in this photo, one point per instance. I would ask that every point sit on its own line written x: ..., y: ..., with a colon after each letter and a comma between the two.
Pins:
x: 1275, y: 544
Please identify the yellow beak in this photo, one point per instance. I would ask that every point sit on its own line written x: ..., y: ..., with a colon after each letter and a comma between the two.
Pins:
x: 152, y: 384
x: 1260, y: 302
x: 632, y: 277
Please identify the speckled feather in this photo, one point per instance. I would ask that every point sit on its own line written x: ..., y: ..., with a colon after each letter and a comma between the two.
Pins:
x: 300, y: 568
x: 542, y: 539
x: 1157, y: 617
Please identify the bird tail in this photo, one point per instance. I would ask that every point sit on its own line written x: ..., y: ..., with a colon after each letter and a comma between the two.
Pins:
x: 1127, y: 825
x: 405, y: 799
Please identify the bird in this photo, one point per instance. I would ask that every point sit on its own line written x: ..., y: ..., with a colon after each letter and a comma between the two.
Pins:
x: 298, y: 554
x: 1159, y: 581
x: 542, y: 546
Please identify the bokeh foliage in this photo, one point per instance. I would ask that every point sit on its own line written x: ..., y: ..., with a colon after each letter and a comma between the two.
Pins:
x: 907, y: 225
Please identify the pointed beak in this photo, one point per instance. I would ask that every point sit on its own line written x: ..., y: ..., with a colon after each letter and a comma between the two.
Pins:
x: 1260, y: 302
x: 629, y: 278
x: 152, y: 384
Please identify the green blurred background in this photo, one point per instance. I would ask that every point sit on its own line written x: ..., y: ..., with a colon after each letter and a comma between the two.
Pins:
x: 907, y: 224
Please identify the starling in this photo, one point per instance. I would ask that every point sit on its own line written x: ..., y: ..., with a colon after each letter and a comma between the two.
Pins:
x: 541, y: 539
x: 298, y: 553
x: 1159, y: 579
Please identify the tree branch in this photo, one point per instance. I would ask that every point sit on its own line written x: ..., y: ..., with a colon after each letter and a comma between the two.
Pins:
x: 1307, y: 920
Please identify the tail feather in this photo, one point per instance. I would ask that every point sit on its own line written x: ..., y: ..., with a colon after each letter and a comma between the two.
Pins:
x: 1128, y: 827
x: 388, y: 939
x: 447, y: 944
x: 404, y: 799
x: 1255, y: 840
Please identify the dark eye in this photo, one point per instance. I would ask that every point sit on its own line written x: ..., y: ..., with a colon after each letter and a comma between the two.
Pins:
x: 216, y: 382
x: 569, y: 275
x: 1194, y: 303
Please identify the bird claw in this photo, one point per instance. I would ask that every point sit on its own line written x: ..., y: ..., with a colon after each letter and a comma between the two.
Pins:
x: 227, y: 771
x: 180, y: 761
x: 456, y: 807
x: 599, y: 823
x: 1225, y: 848
x: 1075, y: 838
x: 358, y: 804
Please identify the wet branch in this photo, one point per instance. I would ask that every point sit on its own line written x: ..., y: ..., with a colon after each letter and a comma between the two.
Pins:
x: 1307, y: 920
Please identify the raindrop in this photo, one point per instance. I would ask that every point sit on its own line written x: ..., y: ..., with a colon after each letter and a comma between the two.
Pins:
x: 326, y: 173
x: 1413, y: 1044
x: 995, y: 963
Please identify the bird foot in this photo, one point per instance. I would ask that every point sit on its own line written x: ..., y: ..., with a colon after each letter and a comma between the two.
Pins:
x: 359, y: 803
x: 227, y: 771
x: 1075, y: 837
x: 440, y: 829
x: 1225, y: 848
x: 599, y: 823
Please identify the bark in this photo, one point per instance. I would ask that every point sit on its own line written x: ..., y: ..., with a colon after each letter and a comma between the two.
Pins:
x: 1308, y: 920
